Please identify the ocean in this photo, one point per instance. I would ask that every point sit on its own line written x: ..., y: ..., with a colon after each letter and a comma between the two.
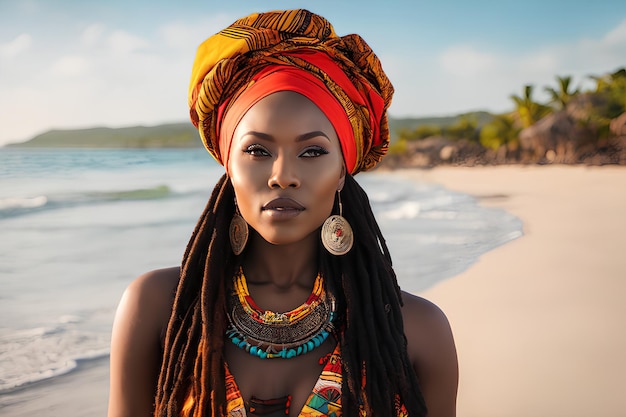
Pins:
x: 78, y: 225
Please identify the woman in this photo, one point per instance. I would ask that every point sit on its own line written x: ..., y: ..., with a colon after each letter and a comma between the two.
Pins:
x: 286, y: 302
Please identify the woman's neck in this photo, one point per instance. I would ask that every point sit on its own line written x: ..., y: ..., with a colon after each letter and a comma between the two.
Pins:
x: 281, y: 266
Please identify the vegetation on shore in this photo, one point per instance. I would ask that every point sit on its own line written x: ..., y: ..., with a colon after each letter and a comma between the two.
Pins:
x: 573, y: 127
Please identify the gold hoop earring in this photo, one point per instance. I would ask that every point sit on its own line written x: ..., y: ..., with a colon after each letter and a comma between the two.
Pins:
x: 238, y: 232
x: 337, y: 236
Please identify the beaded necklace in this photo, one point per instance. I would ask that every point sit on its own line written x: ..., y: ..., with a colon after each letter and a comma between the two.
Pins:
x: 268, y: 334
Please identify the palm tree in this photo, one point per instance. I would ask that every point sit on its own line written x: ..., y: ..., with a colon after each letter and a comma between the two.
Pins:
x: 563, y: 95
x: 606, y: 81
x: 612, y: 88
x: 500, y: 131
x: 529, y: 111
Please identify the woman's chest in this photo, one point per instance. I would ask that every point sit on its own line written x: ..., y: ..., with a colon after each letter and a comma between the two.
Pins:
x: 291, y: 382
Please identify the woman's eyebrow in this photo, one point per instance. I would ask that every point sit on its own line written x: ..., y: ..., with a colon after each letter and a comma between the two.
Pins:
x: 311, y: 135
x: 299, y: 138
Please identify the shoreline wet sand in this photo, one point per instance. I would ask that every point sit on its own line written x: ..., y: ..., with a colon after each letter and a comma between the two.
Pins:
x: 82, y: 392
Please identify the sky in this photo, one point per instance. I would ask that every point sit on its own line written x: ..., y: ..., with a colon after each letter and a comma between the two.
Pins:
x: 68, y: 64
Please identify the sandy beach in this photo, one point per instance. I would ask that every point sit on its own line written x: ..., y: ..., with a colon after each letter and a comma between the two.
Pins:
x: 538, y: 322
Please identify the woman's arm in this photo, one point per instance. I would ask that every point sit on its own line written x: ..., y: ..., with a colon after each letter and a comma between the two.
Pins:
x: 142, y: 314
x: 433, y: 354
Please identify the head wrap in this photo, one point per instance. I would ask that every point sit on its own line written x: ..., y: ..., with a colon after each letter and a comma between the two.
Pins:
x: 293, y: 50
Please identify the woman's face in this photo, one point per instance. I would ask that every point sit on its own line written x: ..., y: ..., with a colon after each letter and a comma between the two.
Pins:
x: 285, y: 165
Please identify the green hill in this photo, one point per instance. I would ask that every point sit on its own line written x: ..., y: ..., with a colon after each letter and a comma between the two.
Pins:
x: 176, y: 135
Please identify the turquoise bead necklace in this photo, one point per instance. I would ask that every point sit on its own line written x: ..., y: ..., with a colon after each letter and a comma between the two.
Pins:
x: 268, y: 335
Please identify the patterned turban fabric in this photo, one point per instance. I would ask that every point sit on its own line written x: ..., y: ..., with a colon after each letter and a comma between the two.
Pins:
x: 230, y: 62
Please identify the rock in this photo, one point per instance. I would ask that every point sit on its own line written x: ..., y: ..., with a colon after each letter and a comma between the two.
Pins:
x: 446, y: 152
x: 618, y: 125
x: 427, y: 152
x: 559, y: 133
x: 582, y: 106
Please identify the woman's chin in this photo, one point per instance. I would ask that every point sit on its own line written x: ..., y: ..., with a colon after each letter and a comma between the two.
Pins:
x: 285, y: 241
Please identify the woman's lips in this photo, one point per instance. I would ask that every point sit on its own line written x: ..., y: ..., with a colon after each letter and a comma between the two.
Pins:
x: 282, y: 208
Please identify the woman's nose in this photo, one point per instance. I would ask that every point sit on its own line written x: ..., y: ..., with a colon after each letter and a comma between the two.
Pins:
x: 284, y: 173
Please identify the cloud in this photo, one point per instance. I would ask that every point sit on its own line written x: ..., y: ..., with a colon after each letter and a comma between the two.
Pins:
x: 535, y: 64
x: 188, y: 35
x: 18, y: 45
x: 464, y: 61
x: 617, y: 36
x: 122, y: 42
x: 93, y: 34
x: 70, y: 66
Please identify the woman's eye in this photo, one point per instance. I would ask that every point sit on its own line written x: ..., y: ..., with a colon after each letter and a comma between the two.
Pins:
x: 314, y: 152
x: 256, y: 150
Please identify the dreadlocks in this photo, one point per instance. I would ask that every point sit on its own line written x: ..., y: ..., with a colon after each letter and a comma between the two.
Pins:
x: 377, y: 373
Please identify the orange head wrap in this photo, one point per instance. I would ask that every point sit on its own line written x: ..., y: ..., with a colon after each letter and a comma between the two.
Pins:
x: 294, y: 50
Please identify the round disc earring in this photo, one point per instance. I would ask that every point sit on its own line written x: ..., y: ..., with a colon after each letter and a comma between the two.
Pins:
x: 238, y: 232
x: 337, y: 236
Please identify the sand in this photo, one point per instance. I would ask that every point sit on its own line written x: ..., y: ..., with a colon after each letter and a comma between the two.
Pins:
x: 538, y: 322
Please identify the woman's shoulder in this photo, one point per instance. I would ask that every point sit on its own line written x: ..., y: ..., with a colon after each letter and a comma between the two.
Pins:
x: 142, y: 314
x: 157, y: 282
x: 420, y: 311
x: 432, y: 352
x: 426, y: 328
x: 152, y: 293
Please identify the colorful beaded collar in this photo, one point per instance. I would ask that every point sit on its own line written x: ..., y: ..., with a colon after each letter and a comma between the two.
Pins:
x: 268, y: 334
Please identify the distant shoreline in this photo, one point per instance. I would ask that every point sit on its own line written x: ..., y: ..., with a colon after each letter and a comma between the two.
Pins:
x: 174, y: 135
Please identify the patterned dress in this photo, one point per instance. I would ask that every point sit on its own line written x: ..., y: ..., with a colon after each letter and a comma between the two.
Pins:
x: 324, y: 400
